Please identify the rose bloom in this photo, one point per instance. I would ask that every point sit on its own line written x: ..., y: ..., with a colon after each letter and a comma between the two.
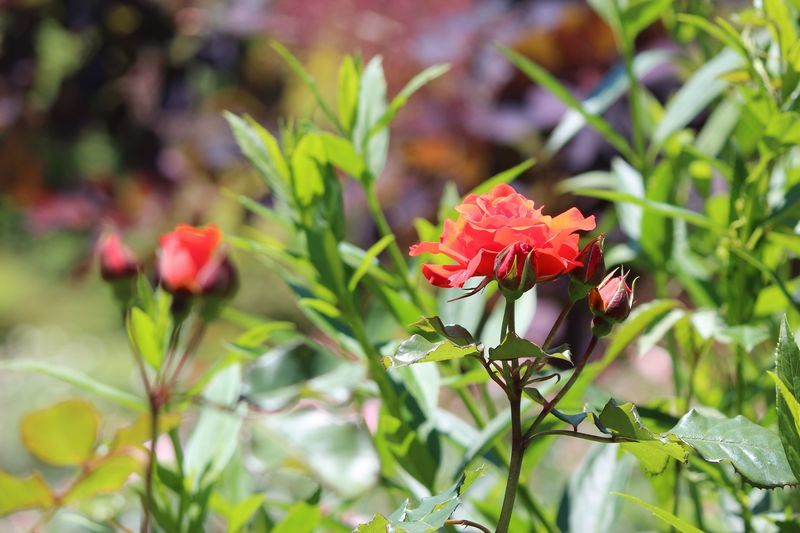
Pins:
x: 488, y: 223
x: 188, y: 257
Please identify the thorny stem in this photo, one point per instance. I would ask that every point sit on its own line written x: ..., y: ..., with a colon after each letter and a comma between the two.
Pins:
x: 549, y: 406
x: 557, y: 324
x: 577, y: 435
x: 468, y: 523
x: 512, y: 390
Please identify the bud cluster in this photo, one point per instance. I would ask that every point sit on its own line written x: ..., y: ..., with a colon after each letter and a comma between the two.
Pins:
x: 191, y: 262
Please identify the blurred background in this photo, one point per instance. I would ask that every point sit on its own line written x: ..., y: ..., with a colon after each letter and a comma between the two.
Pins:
x: 110, y: 115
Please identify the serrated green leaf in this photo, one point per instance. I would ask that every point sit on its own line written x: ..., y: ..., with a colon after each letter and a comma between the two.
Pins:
x: 418, y: 349
x: 669, y: 518
x: 653, y: 451
x: 787, y: 367
x: 453, y: 332
x: 755, y: 452
x: 63, y: 434
x: 514, y: 347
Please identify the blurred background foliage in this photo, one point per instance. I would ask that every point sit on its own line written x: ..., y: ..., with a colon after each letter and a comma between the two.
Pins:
x: 111, y: 113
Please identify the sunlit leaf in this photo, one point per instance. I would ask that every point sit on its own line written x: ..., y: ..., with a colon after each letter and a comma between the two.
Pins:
x: 755, y: 452
x: 19, y: 493
x: 371, y: 107
x: 787, y: 381
x: 418, y: 349
x: 64, y: 434
x: 104, y: 477
x: 348, y: 92
x: 144, y: 335
x: 672, y: 520
x: 300, y: 518
x: 140, y: 431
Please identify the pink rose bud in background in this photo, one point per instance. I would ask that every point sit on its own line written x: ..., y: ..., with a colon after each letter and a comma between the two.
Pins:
x: 591, y: 272
x: 610, y: 302
x: 117, y: 261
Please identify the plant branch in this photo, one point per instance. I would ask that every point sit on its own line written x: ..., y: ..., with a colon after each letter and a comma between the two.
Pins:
x: 396, y: 255
x: 557, y: 324
x: 468, y: 523
x: 549, y: 406
x: 578, y: 435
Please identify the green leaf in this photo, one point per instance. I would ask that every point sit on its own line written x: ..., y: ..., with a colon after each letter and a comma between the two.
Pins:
x: 418, y: 349
x: 105, y: 477
x: 309, y: 81
x: 20, y: 493
x: 453, y: 332
x: 348, y: 92
x: 64, y: 434
x: 669, y: 518
x: 371, y: 107
x: 639, y: 15
x: 428, y: 515
x: 342, y: 154
x: 139, y: 432
x: 77, y: 379
x: 787, y: 382
x: 699, y: 91
x: 653, y: 451
x: 338, y: 454
x: 243, y: 512
x: 607, y: 91
x: 369, y: 261
x: 216, y: 434
x: 144, y: 336
x: 587, y: 504
x: 514, y: 347
x: 263, y: 151
x: 416, y: 83
x: 307, y: 157
x: 755, y: 452
x: 641, y: 318
x: 672, y: 211
x: 546, y: 80
x: 301, y: 518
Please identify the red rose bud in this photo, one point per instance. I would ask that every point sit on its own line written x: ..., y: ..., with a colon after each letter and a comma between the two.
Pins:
x: 117, y: 261
x: 611, y: 301
x: 514, y: 269
x: 220, y: 280
x: 186, y: 256
x: 591, y: 271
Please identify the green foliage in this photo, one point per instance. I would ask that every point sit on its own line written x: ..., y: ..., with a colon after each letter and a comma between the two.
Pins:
x: 787, y: 382
x: 667, y: 517
x: 62, y: 435
x: 755, y: 452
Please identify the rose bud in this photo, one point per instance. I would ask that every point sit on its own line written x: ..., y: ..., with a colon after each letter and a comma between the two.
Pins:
x: 591, y: 271
x: 514, y: 269
x: 610, y: 302
x: 183, y: 256
x: 220, y: 281
x: 117, y: 261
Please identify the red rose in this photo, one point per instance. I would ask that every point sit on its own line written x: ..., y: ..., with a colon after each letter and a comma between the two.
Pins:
x: 117, y: 261
x: 188, y: 257
x: 490, y: 222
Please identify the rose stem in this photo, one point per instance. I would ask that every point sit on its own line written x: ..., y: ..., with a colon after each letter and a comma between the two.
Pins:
x: 468, y: 523
x: 557, y: 324
x: 512, y: 391
x: 549, y: 406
